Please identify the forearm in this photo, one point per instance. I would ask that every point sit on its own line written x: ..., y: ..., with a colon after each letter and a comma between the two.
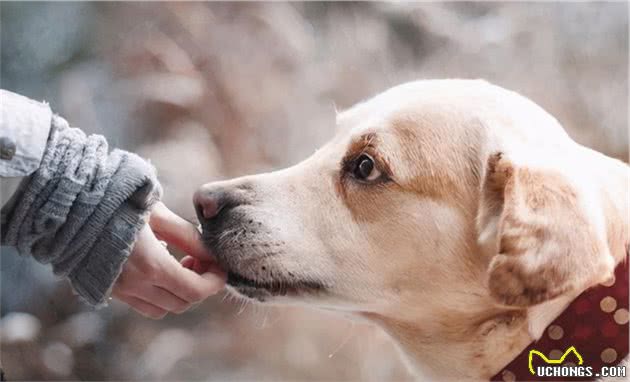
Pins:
x: 81, y: 209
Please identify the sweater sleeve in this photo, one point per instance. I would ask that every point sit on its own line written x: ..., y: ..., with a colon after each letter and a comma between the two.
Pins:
x: 81, y: 209
x: 24, y: 128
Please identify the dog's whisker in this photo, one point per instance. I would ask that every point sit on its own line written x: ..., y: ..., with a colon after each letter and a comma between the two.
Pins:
x: 264, y: 321
x: 344, y: 341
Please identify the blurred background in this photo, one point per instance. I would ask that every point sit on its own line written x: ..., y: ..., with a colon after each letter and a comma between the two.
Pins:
x: 209, y: 91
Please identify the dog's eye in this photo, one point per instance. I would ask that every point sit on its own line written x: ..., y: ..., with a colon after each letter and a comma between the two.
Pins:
x: 364, y: 168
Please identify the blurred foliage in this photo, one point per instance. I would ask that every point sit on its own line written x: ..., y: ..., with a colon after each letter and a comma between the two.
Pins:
x: 223, y: 89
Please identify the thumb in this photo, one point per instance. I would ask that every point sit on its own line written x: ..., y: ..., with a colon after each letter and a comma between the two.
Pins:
x: 177, y: 232
x: 200, y: 266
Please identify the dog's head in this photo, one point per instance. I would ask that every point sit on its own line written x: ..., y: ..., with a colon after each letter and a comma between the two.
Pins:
x: 430, y: 193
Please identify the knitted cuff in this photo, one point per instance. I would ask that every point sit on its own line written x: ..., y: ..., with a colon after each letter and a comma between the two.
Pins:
x: 94, y: 276
x: 81, y: 210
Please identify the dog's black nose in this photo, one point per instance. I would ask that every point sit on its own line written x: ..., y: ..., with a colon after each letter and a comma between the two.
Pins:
x: 209, y: 201
x: 212, y: 198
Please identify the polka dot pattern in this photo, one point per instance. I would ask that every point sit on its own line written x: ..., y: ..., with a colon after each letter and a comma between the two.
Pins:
x: 608, y: 304
x: 621, y: 316
x: 555, y: 354
x: 595, y: 323
x: 555, y: 332
x: 609, y: 355
x: 508, y: 376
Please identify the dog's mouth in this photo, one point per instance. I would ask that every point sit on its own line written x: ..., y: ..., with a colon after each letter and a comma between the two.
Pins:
x: 238, y: 241
x: 262, y: 290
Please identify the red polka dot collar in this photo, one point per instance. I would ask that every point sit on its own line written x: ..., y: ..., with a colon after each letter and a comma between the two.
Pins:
x: 595, y: 324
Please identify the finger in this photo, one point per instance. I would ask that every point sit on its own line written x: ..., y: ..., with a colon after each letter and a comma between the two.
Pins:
x: 161, y: 298
x: 199, y: 266
x: 178, y: 232
x: 202, y: 267
x: 146, y: 309
x: 168, y: 264
x: 187, y: 262
x: 190, y: 286
x: 173, y: 277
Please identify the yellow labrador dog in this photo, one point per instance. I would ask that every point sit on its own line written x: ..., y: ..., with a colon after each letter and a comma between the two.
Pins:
x: 456, y: 215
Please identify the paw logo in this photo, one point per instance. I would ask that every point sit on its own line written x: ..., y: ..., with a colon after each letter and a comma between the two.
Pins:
x: 553, y: 361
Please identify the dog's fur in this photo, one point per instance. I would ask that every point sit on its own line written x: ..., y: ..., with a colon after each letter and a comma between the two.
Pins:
x: 483, y: 220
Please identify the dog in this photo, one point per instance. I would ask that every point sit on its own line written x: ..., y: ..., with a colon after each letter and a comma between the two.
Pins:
x: 456, y: 215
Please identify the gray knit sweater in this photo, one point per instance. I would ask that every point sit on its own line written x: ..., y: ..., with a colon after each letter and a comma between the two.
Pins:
x: 81, y: 209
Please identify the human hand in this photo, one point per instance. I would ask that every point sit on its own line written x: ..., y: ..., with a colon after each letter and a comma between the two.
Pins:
x: 152, y: 281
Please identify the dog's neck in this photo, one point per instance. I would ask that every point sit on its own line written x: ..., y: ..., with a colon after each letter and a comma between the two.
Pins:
x: 467, y: 343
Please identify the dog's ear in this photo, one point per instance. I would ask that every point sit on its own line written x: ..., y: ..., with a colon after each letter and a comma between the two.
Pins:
x: 540, y: 238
